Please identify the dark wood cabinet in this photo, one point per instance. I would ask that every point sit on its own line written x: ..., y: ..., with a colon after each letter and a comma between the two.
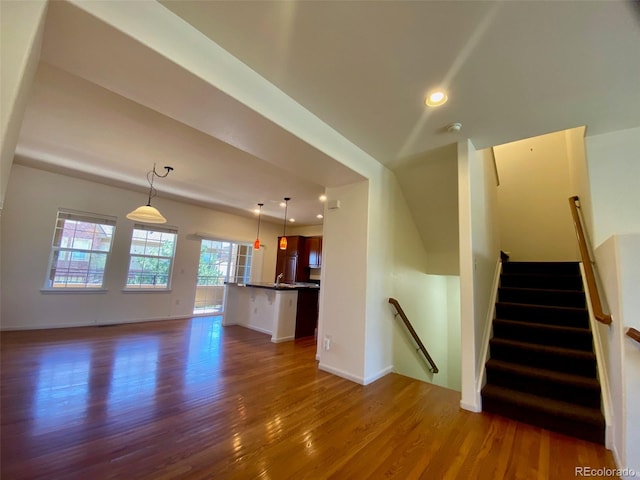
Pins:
x: 314, y: 251
x: 292, y: 262
x: 307, y: 313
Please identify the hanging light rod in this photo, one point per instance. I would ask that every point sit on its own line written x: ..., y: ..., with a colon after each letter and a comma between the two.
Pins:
x: 147, y: 213
x: 256, y: 244
x: 283, y: 240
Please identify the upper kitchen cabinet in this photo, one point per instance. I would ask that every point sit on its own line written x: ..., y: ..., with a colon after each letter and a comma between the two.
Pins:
x: 314, y: 249
x: 292, y: 262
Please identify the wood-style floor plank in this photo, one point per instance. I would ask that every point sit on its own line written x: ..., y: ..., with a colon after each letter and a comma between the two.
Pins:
x: 191, y: 399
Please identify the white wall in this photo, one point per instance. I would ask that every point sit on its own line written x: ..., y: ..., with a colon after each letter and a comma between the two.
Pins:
x: 342, y: 314
x: 305, y: 231
x: 535, y: 184
x: 33, y: 197
x: 430, y: 184
x: 629, y: 265
x: 618, y: 259
x: 422, y: 250
x: 614, y: 175
x: 479, y: 254
x: 614, y: 179
x: 579, y: 173
x: 21, y: 27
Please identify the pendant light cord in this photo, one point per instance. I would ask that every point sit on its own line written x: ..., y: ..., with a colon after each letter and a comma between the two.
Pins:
x: 259, y: 216
x: 150, y: 176
x: 286, y: 207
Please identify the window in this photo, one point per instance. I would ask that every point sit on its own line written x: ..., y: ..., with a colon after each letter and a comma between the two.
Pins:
x: 151, y: 257
x: 220, y: 262
x: 79, y: 250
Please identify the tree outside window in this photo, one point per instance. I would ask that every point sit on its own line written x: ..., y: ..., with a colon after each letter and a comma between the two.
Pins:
x: 151, y: 257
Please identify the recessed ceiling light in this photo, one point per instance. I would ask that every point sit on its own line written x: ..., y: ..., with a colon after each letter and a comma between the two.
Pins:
x: 322, y: 198
x: 319, y: 215
x: 436, y: 98
x: 282, y: 204
x: 292, y: 220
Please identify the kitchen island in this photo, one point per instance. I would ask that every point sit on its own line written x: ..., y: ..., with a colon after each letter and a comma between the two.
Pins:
x: 284, y: 311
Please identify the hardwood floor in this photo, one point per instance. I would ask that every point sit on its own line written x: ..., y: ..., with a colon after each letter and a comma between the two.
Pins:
x: 191, y: 399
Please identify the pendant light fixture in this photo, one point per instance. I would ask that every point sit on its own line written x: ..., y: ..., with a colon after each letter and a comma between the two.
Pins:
x: 283, y: 240
x: 256, y: 244
x: 147, y: 213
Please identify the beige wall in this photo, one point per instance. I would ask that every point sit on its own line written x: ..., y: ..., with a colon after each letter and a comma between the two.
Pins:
x: 32, y: 200
x: 535, y: 184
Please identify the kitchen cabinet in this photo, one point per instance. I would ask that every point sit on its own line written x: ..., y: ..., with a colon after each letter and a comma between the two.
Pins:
x: 314, y: 249
x: 292, y: 262
x: 306, y: 313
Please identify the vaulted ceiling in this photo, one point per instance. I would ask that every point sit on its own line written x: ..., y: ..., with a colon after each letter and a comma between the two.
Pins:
x: 106, y: 106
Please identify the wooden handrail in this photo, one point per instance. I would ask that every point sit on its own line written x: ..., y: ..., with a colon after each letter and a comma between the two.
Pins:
x: 588, y: 266
x: 633, y: 333
x: 407, y: 323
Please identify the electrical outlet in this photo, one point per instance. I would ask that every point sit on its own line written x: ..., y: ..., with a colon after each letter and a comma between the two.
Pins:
x: 327, y: 342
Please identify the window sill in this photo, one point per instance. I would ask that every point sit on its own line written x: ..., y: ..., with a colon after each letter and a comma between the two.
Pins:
x: 72, y: 290
x: 146, y: 290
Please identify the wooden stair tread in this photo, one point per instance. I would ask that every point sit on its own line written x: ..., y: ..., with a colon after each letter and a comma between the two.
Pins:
x: 544, y: 348
x: 545, y: 307
x: 545, y: 326
x: 551, y: 375
x: 546, y: 405
x: 542, y: 290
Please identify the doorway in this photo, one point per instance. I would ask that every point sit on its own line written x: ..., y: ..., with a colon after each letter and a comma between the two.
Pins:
x: 220, y: 262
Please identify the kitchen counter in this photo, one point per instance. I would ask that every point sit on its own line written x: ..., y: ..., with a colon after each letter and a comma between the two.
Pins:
x: 268, y: 308
x: 281, y: 286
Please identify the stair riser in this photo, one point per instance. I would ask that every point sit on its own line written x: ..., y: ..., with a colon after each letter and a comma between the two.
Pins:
x: 587, y: 396
x: 542, y: 297
x: 573, y: 283
x: 556, y: 361
x: 537, y: 268
x: 566, y: 426
x: 549, y: 316
x: 541, y: 336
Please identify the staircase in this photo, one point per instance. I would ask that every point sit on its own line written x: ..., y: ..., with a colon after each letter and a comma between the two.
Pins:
x: 542, y: 369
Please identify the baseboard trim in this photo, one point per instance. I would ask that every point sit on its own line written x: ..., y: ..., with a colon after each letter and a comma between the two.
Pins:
x: 281, y: 339
x: 341, y: 373
x: 82, y: 325
x: 379, y: 375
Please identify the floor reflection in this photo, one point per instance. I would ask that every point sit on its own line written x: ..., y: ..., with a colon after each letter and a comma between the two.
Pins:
x: 70, y: 385
x: 133, y: 381
x: 205, y: 350
x: 62, y: 388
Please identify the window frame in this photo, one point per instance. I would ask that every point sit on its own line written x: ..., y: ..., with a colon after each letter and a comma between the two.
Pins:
x: 139, y: 287
x: 63, y: 215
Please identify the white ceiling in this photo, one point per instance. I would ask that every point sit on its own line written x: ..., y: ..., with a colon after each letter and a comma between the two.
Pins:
x: 104, y: 105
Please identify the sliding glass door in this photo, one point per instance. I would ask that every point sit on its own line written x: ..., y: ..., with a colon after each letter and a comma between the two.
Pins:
x: 220, y: 262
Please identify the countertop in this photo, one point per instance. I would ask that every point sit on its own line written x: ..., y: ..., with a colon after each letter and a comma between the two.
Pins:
x: 282, y: 286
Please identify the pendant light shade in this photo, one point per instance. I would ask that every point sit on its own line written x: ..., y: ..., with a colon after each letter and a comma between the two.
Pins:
x: 256, y: 244
x: 147, y: 213
x: 283, y: 240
